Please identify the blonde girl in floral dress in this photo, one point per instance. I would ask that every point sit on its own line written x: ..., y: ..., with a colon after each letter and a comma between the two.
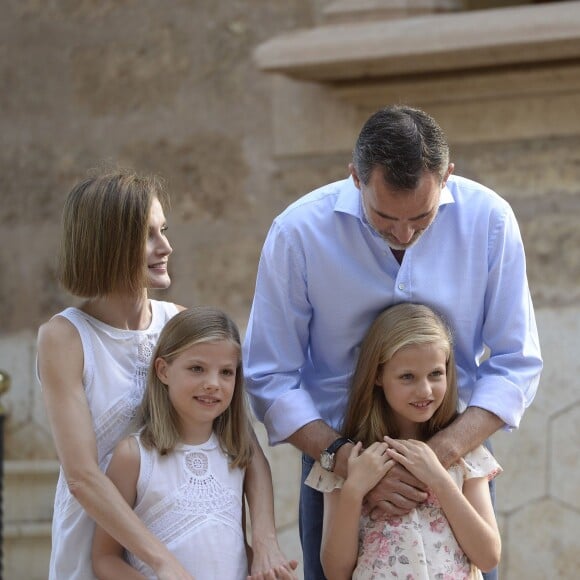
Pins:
x: 404, y: 390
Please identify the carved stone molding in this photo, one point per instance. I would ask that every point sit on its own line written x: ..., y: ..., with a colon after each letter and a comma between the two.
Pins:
x: 494, y: 74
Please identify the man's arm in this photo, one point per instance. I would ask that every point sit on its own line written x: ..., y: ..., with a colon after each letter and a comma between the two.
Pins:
x: 507, y: 380
x: 470, y: 429
x: 315, y: 437
x: 276, y: 341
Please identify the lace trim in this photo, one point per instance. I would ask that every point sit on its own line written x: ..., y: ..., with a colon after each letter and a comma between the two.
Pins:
x: 202, y: 499
x: 118, y: 420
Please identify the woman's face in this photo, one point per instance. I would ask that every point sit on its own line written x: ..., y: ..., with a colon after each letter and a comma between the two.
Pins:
x: 158, y: 248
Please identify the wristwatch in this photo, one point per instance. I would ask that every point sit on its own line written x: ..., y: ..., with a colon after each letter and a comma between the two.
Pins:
x: 328, y: 456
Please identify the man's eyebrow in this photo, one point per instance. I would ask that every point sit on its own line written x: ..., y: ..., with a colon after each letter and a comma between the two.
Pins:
x: 413, y: 219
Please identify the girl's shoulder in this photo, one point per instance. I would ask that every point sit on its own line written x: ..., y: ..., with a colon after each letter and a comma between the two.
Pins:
x: 128, y: 449
x: 480, y: 463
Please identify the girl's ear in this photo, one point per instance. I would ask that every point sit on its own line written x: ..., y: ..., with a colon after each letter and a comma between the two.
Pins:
x: 379, y: 377
x: 161, y: 369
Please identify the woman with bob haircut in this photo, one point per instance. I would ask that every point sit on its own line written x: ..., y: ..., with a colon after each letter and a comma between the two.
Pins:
x: 92, y: 365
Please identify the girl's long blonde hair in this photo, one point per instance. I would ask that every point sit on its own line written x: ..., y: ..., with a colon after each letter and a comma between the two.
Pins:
x: 369, y: 417
x: 160, y: 421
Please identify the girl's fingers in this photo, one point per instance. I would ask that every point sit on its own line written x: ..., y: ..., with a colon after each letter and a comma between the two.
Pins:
x: 398, y: 444
x: 378, y: 447
x: 354, y: 452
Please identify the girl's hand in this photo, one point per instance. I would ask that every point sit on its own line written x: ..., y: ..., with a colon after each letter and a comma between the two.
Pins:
x: 418, y: 458
x: 269, y: 563
x: 366, y: 469
x: 282, y: 572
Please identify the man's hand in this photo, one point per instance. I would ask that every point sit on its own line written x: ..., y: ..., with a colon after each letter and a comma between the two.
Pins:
x: 396, y: 494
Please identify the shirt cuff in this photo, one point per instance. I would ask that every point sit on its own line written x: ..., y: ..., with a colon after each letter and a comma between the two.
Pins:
x: 500, y: 397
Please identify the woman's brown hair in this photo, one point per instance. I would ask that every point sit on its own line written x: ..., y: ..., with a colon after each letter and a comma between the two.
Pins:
x: 105, y: 225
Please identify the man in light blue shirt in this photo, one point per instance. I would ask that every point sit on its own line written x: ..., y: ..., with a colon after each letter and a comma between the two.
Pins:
x: 401, y: 228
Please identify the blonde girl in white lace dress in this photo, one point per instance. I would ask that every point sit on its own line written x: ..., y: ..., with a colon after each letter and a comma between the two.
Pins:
x: 92, y: 365
x: 183, y: 473
x: 404, y: 387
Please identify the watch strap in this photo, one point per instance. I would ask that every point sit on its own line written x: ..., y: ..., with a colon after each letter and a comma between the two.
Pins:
x: 337, y: 444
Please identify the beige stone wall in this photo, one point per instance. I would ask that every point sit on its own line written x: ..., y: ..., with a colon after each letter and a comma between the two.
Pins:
x: 165, y: 87
x: 170, y: 87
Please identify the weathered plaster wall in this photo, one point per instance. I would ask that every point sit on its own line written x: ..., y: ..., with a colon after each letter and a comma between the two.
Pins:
x: 164, y: 87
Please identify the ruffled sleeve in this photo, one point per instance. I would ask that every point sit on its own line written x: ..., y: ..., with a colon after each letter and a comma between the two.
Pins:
x: 322, y: 480
x: 480, y: 463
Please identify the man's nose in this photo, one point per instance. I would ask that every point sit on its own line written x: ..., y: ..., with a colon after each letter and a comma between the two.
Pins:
x: 403, y: 232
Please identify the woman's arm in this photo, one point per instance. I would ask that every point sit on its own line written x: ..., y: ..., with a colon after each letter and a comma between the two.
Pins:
x: 342, y: 510
x: 60, y: 365
x: 107, y: 553
x: 469, y: 512
x: 266, y: 554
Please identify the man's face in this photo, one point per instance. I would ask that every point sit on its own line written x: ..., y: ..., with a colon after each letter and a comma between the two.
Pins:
x: 400, y: 217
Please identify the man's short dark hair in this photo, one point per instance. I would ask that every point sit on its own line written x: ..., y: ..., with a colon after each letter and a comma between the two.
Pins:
x: 404, y: 142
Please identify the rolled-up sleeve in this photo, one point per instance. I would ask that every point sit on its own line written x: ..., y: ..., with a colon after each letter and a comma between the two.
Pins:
x: 508, y: 379
x: 276, y: 340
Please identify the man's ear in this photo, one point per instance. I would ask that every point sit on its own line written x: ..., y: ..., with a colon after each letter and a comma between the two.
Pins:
x: 450, y: 169
x: 354, y: 175
x: 161, y: 369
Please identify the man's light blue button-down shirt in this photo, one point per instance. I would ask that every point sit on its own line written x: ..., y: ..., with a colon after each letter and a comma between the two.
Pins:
x: 324, y: 275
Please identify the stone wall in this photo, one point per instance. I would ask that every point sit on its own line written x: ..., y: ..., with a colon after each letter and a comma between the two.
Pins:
x: 171, y: 88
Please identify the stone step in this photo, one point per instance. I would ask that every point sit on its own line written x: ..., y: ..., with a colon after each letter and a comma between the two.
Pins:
x: 28, y: 496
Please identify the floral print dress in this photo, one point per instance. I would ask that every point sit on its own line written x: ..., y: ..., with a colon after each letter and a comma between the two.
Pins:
x: 421, y: 544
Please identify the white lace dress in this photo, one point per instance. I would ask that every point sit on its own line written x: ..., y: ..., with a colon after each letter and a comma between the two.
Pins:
x: 192, y: 501
x: 115, y: 371
x: 421, y: 544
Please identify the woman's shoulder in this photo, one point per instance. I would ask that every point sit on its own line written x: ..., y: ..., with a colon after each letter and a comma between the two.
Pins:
x: 59, y: 330
x: 163, y: 311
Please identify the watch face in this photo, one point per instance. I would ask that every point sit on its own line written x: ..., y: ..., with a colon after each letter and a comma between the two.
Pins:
x: 327, y: 460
